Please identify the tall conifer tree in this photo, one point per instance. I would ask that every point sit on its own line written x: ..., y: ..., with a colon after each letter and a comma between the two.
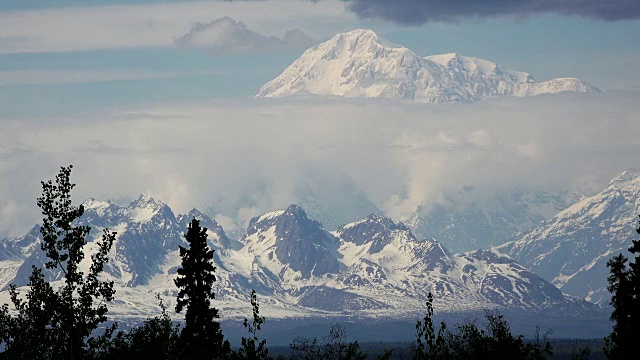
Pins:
x: 201, y: 337
x: 624, y: 285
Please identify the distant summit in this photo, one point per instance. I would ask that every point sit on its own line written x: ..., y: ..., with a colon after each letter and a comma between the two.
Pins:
x: 361, y: 64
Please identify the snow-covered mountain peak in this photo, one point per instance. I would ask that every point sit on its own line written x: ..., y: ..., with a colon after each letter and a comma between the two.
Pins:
x: 286, y: 218
x: 381, y: 221
x: 295, y: 211
x: 145, y: 208
x: 145, y: 200
x: 360, y: 45
x: 376, y: 230
x: 624, y: 179
x: 194, y: 214
x: 92, y: 203
x: 289, y: 238
x: 360, y: 63
x: 98, y: 207
x: 361, y: 40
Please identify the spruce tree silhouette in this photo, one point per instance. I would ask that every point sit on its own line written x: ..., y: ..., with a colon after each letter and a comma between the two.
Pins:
x: 624, y: 285
x: 201, y: 337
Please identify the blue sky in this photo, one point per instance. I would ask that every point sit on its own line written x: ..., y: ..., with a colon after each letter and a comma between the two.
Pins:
x: 73, y: 56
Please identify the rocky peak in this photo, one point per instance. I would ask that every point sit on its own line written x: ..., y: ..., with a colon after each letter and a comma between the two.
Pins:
x: 491, y: 256
x: 297, y: 241
x: 146, y: 201
x: 296, y: 212
x: 285, y: 221
x: 374, y: 229
x: 145, y: 208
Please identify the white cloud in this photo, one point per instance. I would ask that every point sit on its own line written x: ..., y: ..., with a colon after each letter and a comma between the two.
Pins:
x: 226, y: 35
x: 402, y: 155
x: 153, y: 25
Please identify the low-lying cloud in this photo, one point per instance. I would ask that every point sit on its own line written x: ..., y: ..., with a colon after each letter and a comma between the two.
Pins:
x: 401, y: 155
x: 225, y: 35
x: 416, y: 12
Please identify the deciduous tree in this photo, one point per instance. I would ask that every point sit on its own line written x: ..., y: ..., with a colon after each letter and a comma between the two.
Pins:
x: 57, y: 322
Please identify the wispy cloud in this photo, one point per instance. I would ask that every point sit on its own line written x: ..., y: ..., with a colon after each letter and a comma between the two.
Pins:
x: 226, y: 35
x: 57, y: 77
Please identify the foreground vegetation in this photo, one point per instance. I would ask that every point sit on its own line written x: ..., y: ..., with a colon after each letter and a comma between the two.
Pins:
x: 62, y: 322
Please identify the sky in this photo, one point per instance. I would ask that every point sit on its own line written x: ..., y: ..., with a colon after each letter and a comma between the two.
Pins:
x: 119, y: 88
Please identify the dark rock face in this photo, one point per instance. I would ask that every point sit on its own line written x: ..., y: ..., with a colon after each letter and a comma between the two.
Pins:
x: 221, y: 242
x: 301, y: 243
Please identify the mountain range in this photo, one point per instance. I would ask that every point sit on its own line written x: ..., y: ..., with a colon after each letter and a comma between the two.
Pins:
x: 361, y: 64
x: 373, y: 267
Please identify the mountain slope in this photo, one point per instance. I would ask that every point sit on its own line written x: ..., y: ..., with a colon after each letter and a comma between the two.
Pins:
x: 572, y: 249
x: 385, y: 258
x: 473, y: 219
x: 360, y: 63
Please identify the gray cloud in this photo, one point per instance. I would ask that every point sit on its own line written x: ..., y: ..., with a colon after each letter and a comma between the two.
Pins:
x: 415, y: 12
x: 226, y: 35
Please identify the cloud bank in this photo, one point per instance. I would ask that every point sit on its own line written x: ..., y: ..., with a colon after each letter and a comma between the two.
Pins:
x: 416, y: 12
x: 401, y: 155
x: 83, y: 28
x: 225, y: 36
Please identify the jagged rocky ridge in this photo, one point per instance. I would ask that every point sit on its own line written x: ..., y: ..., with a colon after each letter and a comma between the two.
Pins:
x: 572, y: 249
x: 360, y: 63
x: 373, y: 267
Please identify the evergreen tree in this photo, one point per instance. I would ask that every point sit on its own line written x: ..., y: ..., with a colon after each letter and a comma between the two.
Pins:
x: 57, y: 323
x: 624, y: 285
x: 201, y: 337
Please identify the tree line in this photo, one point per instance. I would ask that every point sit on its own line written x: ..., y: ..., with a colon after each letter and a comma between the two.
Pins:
x: 68, y: 320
